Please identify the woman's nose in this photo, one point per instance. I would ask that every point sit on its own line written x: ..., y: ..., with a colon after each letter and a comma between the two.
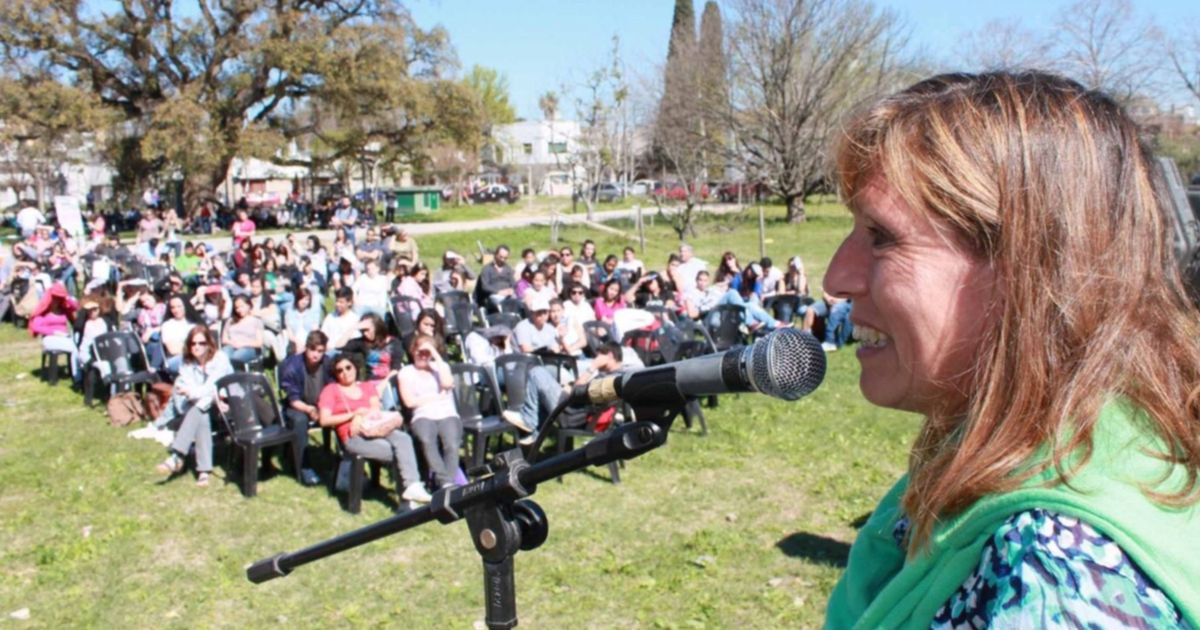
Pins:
x: 847, y: 273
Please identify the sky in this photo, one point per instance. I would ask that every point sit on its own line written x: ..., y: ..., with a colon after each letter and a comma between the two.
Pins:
x: 542, y: 45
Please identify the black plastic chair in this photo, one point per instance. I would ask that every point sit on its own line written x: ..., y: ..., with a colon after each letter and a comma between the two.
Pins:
x: 126, y: 361
x: 727, y: 331
x: 507, y: 319
x: 515, y: 368
x: 404, y: 315
x: 561, y: 363
x: 783, y: 307
x: 513, y: 305
x: 565, y: 441
x: 646, y: 344
x: 459, y: 321
x: 597, y: 332
x: 475, y: 390
x: 155, y: 274
x: 449, y: 298
x: 251, y: 416
x: 51, y: 368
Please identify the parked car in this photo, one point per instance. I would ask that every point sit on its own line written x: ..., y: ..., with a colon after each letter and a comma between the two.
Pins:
x: 676, y: 192
x: 757, y: 191
x: 643, y: 187
x: 495, y: 192
x: 606, y: 192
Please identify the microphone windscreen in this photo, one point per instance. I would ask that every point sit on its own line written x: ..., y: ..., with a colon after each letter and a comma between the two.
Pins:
x: 787, y: 364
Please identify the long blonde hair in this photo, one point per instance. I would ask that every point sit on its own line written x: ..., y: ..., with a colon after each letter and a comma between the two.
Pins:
x: 1050, y: 182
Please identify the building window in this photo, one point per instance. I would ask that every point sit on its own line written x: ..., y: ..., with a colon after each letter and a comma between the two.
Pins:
x: 558, y: 147
x: 528, y: 148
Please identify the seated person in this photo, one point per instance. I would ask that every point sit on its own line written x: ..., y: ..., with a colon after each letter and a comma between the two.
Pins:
x: 174, y: 331
x: 703, y: 297
x: 427, y: 388
x: 242, y: 338
x: 52, y: 321
x: 302, y: 319
x: 371, y: 291
x: 535, y: 333
x: 302, y: 377
x: 380, y: 354
x: 344, y: 404
x: 341, y: 325
x: 191, y: 399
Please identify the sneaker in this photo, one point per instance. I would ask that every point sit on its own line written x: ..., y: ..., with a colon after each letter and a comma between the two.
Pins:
x: 828, y: 347
x: 145, y: 433
x: 514, y: 418
x: 309, y: 477
x: 416, y: 493
x: 528, y: 440
x: 164, y: 436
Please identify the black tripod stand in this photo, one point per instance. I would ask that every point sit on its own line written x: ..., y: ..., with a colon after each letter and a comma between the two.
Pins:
x: 500, y: 519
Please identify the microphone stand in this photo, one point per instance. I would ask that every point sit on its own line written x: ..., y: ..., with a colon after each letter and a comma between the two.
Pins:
x: 499, y: 517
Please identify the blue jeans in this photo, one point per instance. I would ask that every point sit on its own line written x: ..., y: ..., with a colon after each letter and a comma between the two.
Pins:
x: 542, y: 393
x: 752, y: 312
x: 240, y: 355
x: 837, y: 321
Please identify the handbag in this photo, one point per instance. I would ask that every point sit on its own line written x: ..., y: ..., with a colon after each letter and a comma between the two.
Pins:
x: 377, y: 423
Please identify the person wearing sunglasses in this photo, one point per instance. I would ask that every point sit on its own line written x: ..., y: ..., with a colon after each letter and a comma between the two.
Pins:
x: 346, y: 404
x: 192, y: 398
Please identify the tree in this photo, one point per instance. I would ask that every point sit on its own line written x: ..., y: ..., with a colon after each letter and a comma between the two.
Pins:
x: 602, y: 109
x: 46, y: 124
x: 492, y: 89
x: 202, y: 84
x: 798, y: 68
x: 1184, y: 53
x: 1004, y: 44
x: 1104, y: 45
x: 713, y: 85
x: 548, y: 103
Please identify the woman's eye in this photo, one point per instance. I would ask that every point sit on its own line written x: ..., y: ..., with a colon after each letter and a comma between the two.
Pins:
x: 880, y: 237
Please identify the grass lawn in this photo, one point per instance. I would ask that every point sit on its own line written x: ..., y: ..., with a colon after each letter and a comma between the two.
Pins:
x: 748, y: 526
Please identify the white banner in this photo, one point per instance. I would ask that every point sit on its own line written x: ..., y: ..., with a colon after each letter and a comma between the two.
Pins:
x: 69, y: 216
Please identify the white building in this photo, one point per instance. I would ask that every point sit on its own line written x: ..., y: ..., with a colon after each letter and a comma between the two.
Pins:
x: 540, y: 151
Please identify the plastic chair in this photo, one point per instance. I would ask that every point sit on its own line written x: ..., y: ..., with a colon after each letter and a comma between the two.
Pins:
x: 51, y: 368
x: 513, y: 305
x: 565, y: 441
x: 646, y: 344
x: 474, y: 390
x: 783, y: 307
x: 251, y: 415
x: 561, y: 363
x: 125, y: 359
x: 597, y: 333
x: 404, y: 315
x: 727, y: 331
x: 507, y: 319
x: 515, y: 368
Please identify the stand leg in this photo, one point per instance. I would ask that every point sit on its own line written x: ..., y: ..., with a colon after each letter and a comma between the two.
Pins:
x: 500, y: 591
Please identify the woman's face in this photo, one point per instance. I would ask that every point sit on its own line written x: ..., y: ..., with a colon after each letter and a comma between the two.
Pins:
x: 420, y: 275
x: 148, y: 300
x: 198, y: 345
x: 423, y: 354
x: 303, y: 303
x: 588, y: 251
x: 177, y: 310
x: 344, y: 372
x: 426, y: 326
x: 539, y: 280
x: 611, y: 291
x: 242, y: 308
x: 921, y: 304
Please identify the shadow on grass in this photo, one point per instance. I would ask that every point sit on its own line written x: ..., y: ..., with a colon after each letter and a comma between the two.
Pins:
x: 815, y: 548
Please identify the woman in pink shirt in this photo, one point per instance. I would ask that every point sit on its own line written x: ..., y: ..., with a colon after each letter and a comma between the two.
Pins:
x: 51, y: 320
x: 243, y: 228
x: 609, y: 302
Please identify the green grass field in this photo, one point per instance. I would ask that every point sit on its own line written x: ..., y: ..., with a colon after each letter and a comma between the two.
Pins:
x: 747, y: 527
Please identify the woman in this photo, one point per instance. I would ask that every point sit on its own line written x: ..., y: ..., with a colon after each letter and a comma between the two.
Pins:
x: 149, y: 322
x: 427, y: 388
x: 174, y: 330
x: 430, y: 322
x: 416, y: 285
x: 525, y: 282
x: 302, y: 319
x: 728, y: 272
x: 319, y: 257
x: 242, y: 338
x: 744, y: 293
x: 610, y: 301
x: 539, y: 290
x: 191, y: 398
x: 52, y: 320
x: 345, y: 404
x: 795, y: 282
x: 1001, y: 221
x: 381, y: 354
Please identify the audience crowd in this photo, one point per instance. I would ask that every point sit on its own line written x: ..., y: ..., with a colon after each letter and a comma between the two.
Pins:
x: 375, y: 370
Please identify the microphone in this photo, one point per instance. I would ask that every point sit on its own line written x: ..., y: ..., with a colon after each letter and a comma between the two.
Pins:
x: 786, y: 364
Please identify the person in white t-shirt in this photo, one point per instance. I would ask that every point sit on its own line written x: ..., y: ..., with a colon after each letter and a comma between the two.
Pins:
x: 629, y: 262
x: 371, y: 291
x: 341, y: 325
x: 689, y: 266
x: 28, y: 219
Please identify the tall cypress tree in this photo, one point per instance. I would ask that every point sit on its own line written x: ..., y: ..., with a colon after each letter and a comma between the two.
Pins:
x: 679, y: 78
x: 683, y: 28
x: 712, y: 84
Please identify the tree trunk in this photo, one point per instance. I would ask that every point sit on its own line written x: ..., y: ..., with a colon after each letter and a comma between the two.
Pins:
x: 795, y: 209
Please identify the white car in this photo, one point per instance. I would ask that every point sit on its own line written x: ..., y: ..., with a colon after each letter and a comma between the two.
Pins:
x: 643, y: 187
